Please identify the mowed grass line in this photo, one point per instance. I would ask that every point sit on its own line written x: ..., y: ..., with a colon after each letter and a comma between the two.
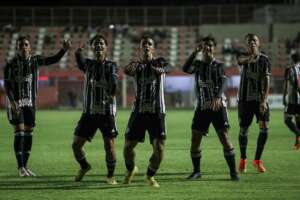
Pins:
x: 53, y: 161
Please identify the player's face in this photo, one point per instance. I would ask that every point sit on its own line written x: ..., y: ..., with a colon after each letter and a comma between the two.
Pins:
x: 23, y: 48
x: 253, y: 43
x: 147, y: 46
x: 99, y: 47
x: 209, y: 49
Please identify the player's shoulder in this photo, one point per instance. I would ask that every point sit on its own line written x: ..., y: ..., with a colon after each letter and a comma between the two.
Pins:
x: 218, y: 63
x: 264, y: 56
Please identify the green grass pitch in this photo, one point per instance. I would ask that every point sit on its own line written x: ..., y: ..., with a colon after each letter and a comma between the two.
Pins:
x: 53, y: 161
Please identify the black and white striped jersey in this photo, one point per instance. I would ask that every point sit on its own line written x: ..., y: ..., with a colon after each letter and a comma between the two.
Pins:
x: 99, y: 85
x: 292, y: 77
x: 21, y: 75
x: 150, y: 86
x: 251, y: 78
x: 210, y: 80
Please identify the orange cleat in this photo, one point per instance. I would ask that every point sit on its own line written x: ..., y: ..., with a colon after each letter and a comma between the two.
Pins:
x: 258, y: 164
x: 297, y: 143
x: 243, y: 166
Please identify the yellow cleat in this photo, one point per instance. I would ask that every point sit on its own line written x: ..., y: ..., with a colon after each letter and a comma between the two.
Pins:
x: 111, y: 180
x: 152, y: 182
x: 129, y: 175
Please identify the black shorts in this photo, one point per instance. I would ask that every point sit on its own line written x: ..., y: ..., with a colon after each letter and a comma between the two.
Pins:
x: 292, y: 109
x: 138, y: 123
x: 89, y: 123
x: 26, y: 116
x: 203, y: 118
x: 247, y: 110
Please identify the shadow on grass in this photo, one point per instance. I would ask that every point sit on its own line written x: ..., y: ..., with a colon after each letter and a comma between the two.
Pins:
x: 92, y: 182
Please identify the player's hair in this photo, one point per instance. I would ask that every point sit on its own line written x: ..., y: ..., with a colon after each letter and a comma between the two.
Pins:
x: 21, y: 38
x: 250, y: 35
x: 295, y: 57
x: 98, y: 37
x: 146, y: 37
x: 208, y: 39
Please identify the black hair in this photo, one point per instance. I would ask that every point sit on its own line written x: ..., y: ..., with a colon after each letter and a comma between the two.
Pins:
x: 250, y: 35
x: 209, y: 38
x: 98, y: 37
x: 22, y: 37
x: 147, y: 37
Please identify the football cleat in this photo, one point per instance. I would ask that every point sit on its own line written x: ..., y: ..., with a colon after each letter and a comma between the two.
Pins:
x: 30, y: 173
x: 258, y: 164
x: 23, y: 172
x: 129, y: 175
x: 111, y: 180
x: 82, y: 172
x: 152, y: 182
x: 297, y: 143
x: 243, y: 166
x: 194, y: 176
x: 234, y: 176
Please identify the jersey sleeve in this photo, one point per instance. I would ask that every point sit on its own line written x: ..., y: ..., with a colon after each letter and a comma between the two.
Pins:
x: 41, y: 60
x: 8, y: 81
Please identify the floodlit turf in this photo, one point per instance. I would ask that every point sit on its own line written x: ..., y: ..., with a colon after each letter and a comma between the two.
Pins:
x: 53, y: 161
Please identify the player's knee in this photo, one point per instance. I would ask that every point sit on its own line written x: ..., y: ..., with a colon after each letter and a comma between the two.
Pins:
x: 75, y: 146
x: 244, y: 131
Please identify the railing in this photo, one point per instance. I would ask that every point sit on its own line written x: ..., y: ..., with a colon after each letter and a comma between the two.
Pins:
x: 145, y: 16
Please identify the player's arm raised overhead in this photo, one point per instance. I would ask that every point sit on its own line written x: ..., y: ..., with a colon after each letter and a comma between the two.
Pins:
x: 81, y: 61
x: 189, y: 65
x: 55, y: 58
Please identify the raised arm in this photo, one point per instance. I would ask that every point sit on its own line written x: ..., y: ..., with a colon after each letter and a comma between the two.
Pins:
x: 54, y: 59
x: 81, y: 61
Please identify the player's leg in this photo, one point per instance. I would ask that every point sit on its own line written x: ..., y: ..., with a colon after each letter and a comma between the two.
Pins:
x: 29, y: 121
x: 19, y: 149
x: 229, y: 154
x: 110, y: 158
x: 158, y: 146
x: 135, y: 132
x: 79, y: 154
x: 246, y: 114
x: 129, y: 157
x: 109, y: 133
x: 289, y: 114
x: 17, y: 121
x: 195, y: 153
x: 297, y: 141
x: 261, y: 141
x: 200, y: 125
x: 221, y: 124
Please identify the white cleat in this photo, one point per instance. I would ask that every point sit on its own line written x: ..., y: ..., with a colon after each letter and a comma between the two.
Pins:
x: 23, y: 172
x: 111, y: 180
x: 30, y: 173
